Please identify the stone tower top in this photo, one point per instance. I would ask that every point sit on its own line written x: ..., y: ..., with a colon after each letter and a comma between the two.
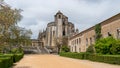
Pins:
x: 59, y: 12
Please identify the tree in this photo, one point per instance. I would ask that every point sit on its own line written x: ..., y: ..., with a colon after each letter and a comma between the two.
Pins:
x: 8, y: 18
x: 108, y: 45
x: 10, y: 33
x: 115, y: 49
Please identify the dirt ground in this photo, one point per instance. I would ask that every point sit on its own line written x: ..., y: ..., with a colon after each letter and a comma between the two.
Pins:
x: 55, y: 61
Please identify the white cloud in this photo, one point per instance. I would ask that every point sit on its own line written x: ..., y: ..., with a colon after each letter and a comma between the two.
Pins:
x: 83, y: 13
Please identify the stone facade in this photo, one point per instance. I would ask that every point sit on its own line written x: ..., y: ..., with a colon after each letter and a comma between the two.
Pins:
x: 60, y: 28
x: 35, y: 42
x: 81, y: 41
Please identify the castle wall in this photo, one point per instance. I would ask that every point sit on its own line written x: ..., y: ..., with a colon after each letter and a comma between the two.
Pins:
x: 87, y: 37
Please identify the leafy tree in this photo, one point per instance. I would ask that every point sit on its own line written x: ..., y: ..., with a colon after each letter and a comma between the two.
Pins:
x: 10, y: 33
x: 108, y: 45
x: 8, y: 18
x: 115, y: 49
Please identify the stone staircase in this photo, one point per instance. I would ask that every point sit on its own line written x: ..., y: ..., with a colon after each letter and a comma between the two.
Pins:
x: 35, y: 50
x: 44, y: 50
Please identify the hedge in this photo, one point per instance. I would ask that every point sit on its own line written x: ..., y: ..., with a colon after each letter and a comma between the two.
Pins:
x: 17, y: 57
x: 7, y: 60
x: 106, y: 59
x: 99, y: 58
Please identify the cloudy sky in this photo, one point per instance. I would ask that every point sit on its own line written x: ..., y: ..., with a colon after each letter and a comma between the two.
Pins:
x: 83, y: 13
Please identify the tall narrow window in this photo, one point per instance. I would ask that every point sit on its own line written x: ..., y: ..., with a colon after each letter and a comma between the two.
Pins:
x: 90, y: 41
x: 59, y: 16
x: 109, y: 34
x: 86, y: 41
x: 79, y: 49
x: 118, y: 33
x: 53, y: 33
x: 79, y: 40
x: 75, y: 49
x: 63, y: 33
x: 94, y: 38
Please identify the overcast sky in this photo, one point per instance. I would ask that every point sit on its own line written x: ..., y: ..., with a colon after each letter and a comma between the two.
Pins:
x: 83, y: 13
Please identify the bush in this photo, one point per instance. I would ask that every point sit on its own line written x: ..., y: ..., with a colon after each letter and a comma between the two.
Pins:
x: 104, y: 58
x: 108, y: 45
x: 73, y: 55
x: 65, y: 49
x: 115, y: 49
x: 91, y: 49
x: 17, y: 57
x: 1, y: 64
x: 112, y: 59
x: 7, y: 60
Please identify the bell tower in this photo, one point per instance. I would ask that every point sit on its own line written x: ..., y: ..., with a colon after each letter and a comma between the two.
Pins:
x: 58, y: 22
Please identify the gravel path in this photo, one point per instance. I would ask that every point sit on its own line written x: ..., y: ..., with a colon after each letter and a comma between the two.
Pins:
x: 55, y: 61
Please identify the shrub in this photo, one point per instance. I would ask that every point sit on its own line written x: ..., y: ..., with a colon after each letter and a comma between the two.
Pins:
x: 107, y: 45
x: 17, y: 57
x: 73, y: 55
x: 6, y: 62
x: 10, y: 60
x: 104, y: 58
x: 115, y: 49
x: 65, y: 49
x: 112, y: 59
x: 91, y: 49
x: 1, y: 64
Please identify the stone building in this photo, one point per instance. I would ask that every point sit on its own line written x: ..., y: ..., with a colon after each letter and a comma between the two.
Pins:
x: 55, y: 30
x: 81, y: 41
x: 35, y: 42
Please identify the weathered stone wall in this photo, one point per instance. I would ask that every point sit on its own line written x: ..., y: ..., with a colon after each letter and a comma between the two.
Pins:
x: 87, y: 37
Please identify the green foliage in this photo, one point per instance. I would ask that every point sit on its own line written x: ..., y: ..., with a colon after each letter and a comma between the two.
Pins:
x: 98, y: 31
x: 17, y: 57
x: 65, y: 49
x: 107, y: 45
x: 7, y: 60
x: 91, y: 49
x: 104, y: 58
x: 73, y: 55
x: 112, y: 59
x: 115, y: 49
x: 16, y: 50
x: 10, y: 33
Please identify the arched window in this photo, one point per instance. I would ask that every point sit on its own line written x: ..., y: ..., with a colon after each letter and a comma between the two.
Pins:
x: 59, y: 16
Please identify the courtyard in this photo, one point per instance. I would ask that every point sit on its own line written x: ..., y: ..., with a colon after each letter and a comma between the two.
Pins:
x: 56, y: 61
